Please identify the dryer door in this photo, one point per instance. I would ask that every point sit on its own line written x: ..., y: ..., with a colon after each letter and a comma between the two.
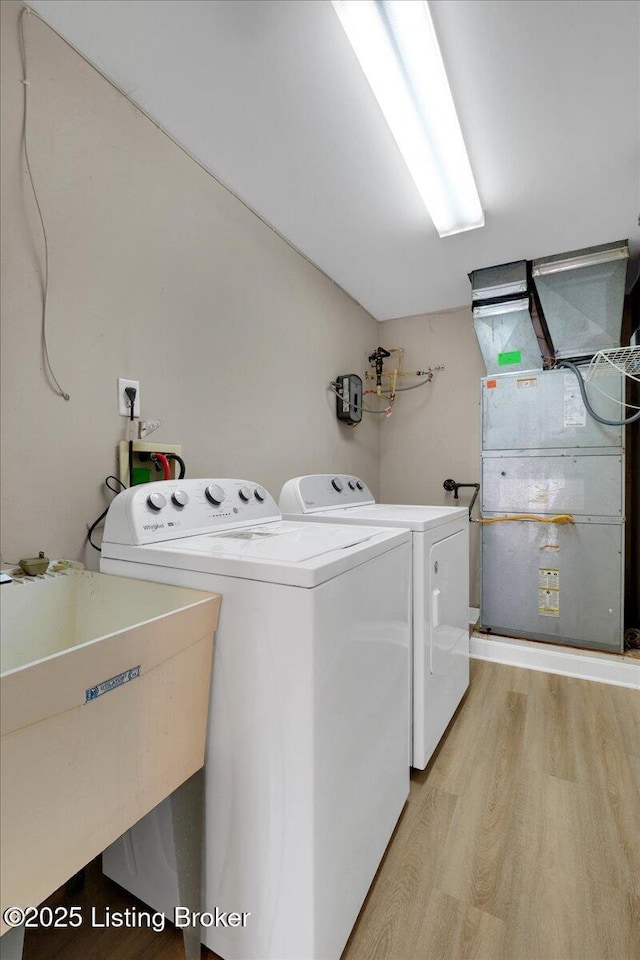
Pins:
x: 441, y: 636
x: 448, y: 591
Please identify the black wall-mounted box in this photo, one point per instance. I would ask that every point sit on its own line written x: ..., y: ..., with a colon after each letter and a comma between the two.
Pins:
x: 349, y: 403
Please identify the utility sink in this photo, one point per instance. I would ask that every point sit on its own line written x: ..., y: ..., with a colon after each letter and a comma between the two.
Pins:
x: 104, y: 692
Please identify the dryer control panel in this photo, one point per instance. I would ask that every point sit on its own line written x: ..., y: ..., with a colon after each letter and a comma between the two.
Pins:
x: 168, y: 509
x: 323, y: 492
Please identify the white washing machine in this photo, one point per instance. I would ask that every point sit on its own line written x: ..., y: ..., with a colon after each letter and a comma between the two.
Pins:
x: 440, y: 538
x: 306, y: 768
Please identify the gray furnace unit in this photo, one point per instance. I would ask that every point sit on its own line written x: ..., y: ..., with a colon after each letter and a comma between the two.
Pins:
x: 544, y: 455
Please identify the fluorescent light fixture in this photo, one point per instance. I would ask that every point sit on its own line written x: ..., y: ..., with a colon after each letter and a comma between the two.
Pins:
x: 397, y: 47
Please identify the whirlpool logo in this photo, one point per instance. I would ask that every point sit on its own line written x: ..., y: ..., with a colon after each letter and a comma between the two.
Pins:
x: 153, y: 526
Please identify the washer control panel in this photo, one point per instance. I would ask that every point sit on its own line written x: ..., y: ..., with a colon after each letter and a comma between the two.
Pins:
x: 168, y: 509
x: 323, y: 492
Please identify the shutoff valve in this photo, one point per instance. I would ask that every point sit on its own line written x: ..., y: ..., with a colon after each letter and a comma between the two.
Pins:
x: 376, y: 359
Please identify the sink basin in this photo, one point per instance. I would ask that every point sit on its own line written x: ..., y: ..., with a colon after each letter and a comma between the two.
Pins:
x: 104, y: 691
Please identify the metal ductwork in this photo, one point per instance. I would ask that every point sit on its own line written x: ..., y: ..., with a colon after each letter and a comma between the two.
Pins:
x: 499, y: 283
x: 582, y: 297
x: 502, y: 318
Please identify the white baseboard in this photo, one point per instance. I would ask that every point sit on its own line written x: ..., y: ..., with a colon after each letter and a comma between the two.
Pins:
x: 582, y: 664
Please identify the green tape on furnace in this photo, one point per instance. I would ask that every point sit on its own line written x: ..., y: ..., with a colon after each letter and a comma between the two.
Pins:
x: 506, y: 359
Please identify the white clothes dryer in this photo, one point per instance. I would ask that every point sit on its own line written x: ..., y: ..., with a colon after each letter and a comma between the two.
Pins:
x: 440, y: 582
x: 306, y: 767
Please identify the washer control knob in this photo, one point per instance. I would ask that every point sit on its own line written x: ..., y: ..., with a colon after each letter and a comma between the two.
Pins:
x: 359, y: 484
x: 180, y: 498
x: 260, y: 494
x: 214, y: 494
x: 245, y: 494
x: 337, y: 484
x: 352, y: 484
x: 156, y: 501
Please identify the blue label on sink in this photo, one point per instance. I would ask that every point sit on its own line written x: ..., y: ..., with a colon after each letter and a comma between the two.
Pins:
x: 108, y: 685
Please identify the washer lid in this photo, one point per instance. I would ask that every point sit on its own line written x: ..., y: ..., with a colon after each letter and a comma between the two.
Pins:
x: 282, y: 541
x: 417, y: 517
x: 299, y: 554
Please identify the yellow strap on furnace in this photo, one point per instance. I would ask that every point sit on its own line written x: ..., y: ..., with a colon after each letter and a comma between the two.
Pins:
x: 560, y: 518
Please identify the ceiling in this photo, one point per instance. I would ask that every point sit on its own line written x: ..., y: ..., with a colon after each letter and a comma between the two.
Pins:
x: 269, y: 96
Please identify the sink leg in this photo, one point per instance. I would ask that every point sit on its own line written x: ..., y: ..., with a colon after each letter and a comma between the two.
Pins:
x: 187, y: 804
x: 12, y: 943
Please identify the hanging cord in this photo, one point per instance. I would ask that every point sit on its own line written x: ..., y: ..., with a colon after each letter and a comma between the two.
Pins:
x: 105, y: 512
x: 131, y: 394
x: 180, y: 462
x: 585, y: 400
x: 51, y: 377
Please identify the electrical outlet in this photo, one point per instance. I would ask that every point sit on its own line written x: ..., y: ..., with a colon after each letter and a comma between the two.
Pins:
x: 124, y: 405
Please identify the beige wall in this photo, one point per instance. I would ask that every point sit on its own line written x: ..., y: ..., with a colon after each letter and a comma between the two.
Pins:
x: 434, y: 432
x: 157, y: 274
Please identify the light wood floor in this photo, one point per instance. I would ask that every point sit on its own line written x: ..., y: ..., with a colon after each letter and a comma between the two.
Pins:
x: 521, y: 841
